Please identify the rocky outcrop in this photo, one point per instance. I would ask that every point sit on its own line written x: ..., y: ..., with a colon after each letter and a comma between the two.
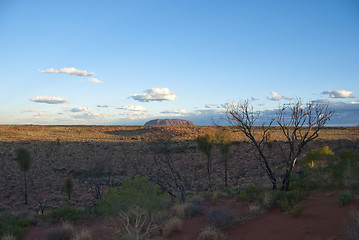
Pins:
x: 169, y: 122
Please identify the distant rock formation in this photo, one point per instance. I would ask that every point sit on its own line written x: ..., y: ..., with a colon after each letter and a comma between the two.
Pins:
x: 169, y: 122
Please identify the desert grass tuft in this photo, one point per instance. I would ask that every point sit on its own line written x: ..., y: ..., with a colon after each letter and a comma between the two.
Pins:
x: 172, y: 225
x: 85, y: 234
x: 211, y: 233
x: 180, y: 210
x: 256, y: 210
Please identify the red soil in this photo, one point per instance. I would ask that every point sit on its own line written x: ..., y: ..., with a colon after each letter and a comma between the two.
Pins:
x: 322, y: 218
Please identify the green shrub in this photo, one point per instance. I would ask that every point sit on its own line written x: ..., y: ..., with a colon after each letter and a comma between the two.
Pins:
x: 13, y: 225
x: 65, y: 213
x: 345, y: 197
x: 289, y: 199
x: 346, y: 172
x: 250, y: 193
x: 297, y: 182
x: 295, y: 210
x: 138, y: 192
x: 227, y: 191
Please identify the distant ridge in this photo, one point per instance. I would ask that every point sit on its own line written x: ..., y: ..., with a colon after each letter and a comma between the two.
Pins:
x: 169, y: 122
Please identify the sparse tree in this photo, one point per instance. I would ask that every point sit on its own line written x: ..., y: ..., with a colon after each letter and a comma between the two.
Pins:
x: 205, y: 145
x: 223, y: 137
x: 166, y: 174
x: 299, y: 123
x: 23, y: 159
x: 69, y: 187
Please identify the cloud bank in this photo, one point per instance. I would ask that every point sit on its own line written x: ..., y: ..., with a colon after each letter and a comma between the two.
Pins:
x: 175, y: 111
x: 49, y: 100
x: 155, y: 94
x: 339, y: 94
x: 80, y: 109
x: 70, y: 71
x: 136, y: 108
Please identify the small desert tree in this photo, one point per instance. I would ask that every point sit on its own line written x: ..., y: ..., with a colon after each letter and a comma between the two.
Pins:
x: 166, y: 173
x: 23, y: 159
x: 205, y: 145
x: 299, y: 123
x: 223, y: 137
x: 69, y: 187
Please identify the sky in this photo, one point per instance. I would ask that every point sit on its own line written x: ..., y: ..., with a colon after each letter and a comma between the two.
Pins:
x: 127, y: 62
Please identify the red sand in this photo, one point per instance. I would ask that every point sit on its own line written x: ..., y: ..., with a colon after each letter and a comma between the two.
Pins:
x: 323, y: 218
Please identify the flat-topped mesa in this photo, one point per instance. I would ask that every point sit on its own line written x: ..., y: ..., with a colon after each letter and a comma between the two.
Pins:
x: 169, y: 122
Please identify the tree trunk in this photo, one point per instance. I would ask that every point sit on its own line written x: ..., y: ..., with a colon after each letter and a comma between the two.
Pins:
x: 25, y: 186
x: 225, y: 173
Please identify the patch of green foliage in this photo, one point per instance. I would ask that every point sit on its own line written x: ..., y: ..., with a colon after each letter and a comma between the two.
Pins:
x: 65, y: 213
x: 251, y: 193
x: 296, y: 210
x: 345, y: 197
x: 137, y: 192
x: 324, y: 170
x: 289, y: 200
x: 13, y: 225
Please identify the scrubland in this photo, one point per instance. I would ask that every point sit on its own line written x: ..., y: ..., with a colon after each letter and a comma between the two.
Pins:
x: 100, y: 158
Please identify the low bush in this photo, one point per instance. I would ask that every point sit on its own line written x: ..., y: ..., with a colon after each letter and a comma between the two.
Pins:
x: 138, y: 192
x: 195, y: 208
x: 220, y: 218
x: 296, y: 210
x: 63, y: 232
x: 345, y: 197
x: 251, y: 193
x: 65, y: 213
x: 210, y: 233
x: 11, y: 225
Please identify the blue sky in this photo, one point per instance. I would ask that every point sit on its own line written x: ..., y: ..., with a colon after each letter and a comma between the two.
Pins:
x: 126, y: 62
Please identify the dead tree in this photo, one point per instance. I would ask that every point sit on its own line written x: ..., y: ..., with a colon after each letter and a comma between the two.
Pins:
x: 244, y: 117
x: 300, y: 124
x: 166, y: 174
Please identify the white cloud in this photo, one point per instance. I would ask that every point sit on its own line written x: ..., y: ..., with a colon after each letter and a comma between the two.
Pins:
x: 275, y: 96
x: 80, y: 109
x: 175, y: 111
x: 95, y: 80
x: 49, y: 100
x: 71, y: 71
x: 339, y: 94
x: 155, y: 94
x: 137, y: 108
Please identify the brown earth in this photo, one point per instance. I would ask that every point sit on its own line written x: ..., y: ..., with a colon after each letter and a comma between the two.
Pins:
x: 109, y: 154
